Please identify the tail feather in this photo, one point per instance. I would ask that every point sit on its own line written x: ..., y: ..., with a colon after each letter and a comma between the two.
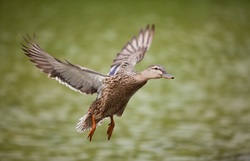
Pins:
x: 85, y: 123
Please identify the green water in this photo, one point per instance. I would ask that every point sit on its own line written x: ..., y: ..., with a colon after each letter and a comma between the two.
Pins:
x: 202, y: 115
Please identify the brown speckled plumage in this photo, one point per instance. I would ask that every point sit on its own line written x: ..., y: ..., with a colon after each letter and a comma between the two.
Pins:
x: 114, y: 90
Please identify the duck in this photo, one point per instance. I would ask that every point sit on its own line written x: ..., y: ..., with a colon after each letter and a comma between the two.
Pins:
x: 113, y: 89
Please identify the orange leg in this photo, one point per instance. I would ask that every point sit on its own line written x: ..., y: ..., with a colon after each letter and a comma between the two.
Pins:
x: 92, y: 131
x: 111, y: 127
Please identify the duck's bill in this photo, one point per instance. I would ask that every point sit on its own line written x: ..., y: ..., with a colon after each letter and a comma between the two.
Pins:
x: 167, y: 76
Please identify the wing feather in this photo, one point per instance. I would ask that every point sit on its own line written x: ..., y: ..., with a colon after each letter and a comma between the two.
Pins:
x: 78, y: 78
x: 134, y: 51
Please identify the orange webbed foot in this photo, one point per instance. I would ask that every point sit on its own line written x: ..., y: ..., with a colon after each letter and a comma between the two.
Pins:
x: 111, y: 127
x: 92, y: 131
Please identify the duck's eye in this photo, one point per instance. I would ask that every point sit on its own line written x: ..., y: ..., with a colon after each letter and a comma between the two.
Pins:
x: 156, y: 68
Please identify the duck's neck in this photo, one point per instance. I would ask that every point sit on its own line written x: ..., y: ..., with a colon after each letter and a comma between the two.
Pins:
x: 142, y: 76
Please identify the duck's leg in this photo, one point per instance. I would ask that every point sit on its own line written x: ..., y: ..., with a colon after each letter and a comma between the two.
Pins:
x: 92, y: 131
x: 111, y: 127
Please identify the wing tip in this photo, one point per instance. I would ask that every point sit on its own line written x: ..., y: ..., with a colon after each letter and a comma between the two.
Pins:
x: 141, y: 42
x: 149, y: 27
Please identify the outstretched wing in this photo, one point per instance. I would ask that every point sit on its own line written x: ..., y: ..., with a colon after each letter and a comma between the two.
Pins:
x: 134, y: 51
x: 76, y: 77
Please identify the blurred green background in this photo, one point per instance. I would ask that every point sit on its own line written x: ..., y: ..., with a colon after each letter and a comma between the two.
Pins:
x: 202, y: 115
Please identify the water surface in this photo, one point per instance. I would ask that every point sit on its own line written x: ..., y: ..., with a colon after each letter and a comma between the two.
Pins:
x: 202, y: 115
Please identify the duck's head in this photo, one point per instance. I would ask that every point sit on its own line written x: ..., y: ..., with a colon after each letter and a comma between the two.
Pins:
x: 156, y: 72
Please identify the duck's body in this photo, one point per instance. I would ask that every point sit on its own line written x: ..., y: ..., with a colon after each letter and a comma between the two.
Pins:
x: 115, y: 96
x: 113, y: 90
x: 113, y: 99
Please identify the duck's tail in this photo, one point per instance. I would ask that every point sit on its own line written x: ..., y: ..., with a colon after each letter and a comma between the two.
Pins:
x: 85, y: 123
